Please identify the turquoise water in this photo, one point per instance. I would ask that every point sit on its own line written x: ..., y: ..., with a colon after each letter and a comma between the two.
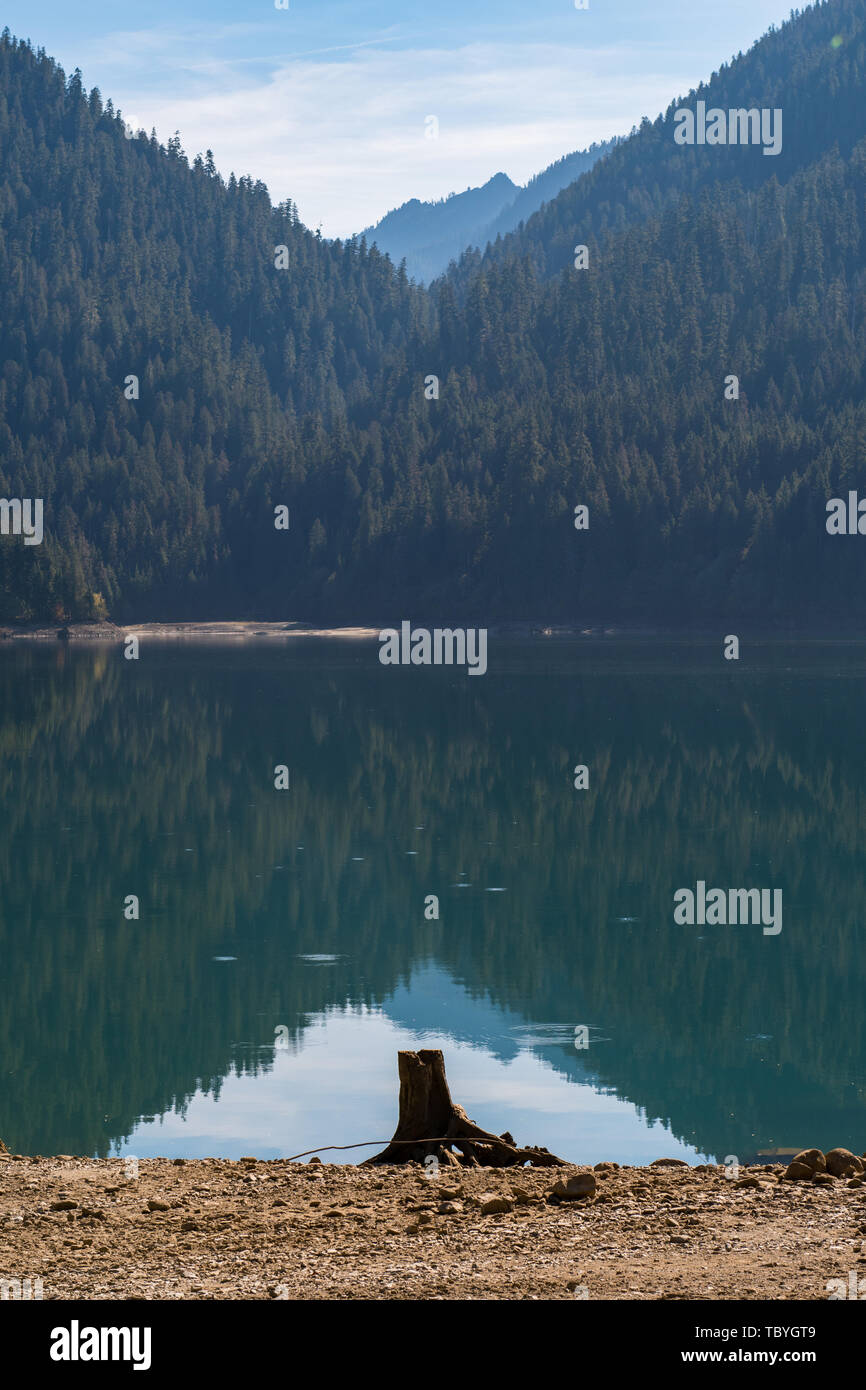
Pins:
x: 282, y: 954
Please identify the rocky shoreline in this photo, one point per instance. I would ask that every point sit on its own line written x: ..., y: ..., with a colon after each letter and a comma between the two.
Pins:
x: 256, y: 1229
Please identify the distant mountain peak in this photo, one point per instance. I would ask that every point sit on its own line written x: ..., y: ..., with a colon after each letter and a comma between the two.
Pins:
x: 429, y: 235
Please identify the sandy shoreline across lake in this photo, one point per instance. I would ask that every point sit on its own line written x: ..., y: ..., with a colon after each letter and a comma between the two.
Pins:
x: 247, y: 1229
x: 211, y: 631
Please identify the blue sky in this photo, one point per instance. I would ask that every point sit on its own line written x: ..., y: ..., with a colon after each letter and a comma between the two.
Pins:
x: 328, y: 102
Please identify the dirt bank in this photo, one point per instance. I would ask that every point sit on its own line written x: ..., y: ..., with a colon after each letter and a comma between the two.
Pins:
x: 238, y: 1230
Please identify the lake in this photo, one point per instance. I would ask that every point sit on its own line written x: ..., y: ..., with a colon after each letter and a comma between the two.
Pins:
x: 287, y: 943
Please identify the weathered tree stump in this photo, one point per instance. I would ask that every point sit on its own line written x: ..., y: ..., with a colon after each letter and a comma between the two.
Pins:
x: 430, y: 1123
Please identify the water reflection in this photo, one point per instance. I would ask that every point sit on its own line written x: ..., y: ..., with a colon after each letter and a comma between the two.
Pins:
x: 304, y: 911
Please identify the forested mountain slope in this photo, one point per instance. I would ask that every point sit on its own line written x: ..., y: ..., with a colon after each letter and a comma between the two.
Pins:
x: 811, y: 69
x: 557, y: 386
x: 117, y: 258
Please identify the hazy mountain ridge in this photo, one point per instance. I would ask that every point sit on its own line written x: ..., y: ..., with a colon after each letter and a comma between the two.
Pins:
x: 429, y: 236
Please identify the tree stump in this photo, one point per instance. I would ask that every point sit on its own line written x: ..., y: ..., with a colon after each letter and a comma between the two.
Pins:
x: 430, y: 1123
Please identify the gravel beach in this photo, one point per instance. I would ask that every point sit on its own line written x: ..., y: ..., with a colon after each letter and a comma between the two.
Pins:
x: 247, y: 1229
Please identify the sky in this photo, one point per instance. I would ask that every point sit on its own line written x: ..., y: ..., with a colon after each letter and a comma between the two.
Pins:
x: 350, y: 1054
x: 329, y: 103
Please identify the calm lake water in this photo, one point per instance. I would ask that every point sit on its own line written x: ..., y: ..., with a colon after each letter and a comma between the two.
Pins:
x: 282, y: 955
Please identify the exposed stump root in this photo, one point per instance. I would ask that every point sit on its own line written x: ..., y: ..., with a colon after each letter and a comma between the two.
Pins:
x: 429, y: 1123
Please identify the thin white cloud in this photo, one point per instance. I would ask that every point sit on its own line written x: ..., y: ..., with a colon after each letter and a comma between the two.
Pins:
x: 345, y: 139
